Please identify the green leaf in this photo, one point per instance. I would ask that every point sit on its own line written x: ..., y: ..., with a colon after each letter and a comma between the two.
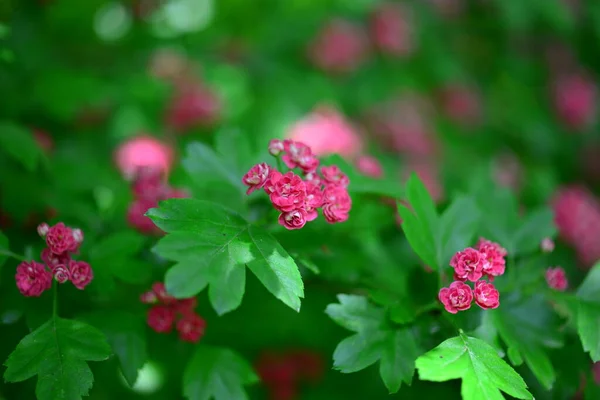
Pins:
x: 484, y: 374
x: 212, y: 244
x: 588, y: 313
x: 528, y: 327
x: 234, y: 146
x: 217, y: 373
x: 536, y: 226
x: 395, y: 349
x: 457, y: 228
x: 57, y: 352
x: 19, y: 143
x: 126, y: 334
x: 4, y: 249
x: 214, y: 178
x: 420, y: 221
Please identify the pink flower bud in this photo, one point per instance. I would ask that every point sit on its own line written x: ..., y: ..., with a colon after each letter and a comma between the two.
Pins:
x: 486, y: 295
x: 256, y: 177
x: 547, y: 245
x: 275, y: 147
x: 33, y: 278
x: 43, y: 229
x: 557, y: 279
x: 78, y: 235
x: 149, y: 297
x: 61, y: 273
x: 81, y: 273
x: 457, y: 297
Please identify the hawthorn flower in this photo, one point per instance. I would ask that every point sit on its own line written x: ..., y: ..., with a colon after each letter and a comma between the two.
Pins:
x: 391, y: 29
x: 276, y: 147
x: 547, y: 245
x: 52, y: 260
x: 457, y: 297
x: 43, y: 229
x: 59, y: 239
x: 486, y: 295
x: 161, y: 293
x: 81, y: 273
x: 336, y: 204
x: 557, y: 279
x: 334, y: 176
x: 468, y: 264
x: 191, y: 328
x: 313, y: 200
x: 289, y: 192
x: 161, y: 319
x: 494, y: 254
x: 256, y: 177
x: 295, y: 219
x: 369, y: 166
x: 33, y: 278
x: 137, y: 219
x: 299, y: 155
x: 61, y: 273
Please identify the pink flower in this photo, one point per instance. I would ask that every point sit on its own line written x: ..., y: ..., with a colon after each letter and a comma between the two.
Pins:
x: 33, y: 278
x: 289, y: 193
x: 299, y: 155
x: 326, y: 131
x: 191, y: 328
x: 149, y: 297
x: 161, y: 293
x: 333, y: 175
x: 494, y: 254
x: 294, y: 219
x: 275, y: 147
x: 193, y: 107
x: 468, y: 264
x: 149, y: 184
x: 44, y: 140
x: 486, y: 295
x: 143, y: 151
x: 161, y: 319
x: 43, y: 229
x: 186, y: 306
x: 547, y: 245
x: 313, y: 200
x: 391, y: 29
x: 369, y: 166
x: 557, y: 279
x: 575, y: 99
x: 52, y: 260
x: 256, y: 177
x: 61, y: 273
x: 461, y: 104
x: 272, y: 179
x: 457, y: 297
x: 81, y: 273
x: 337, y: 204
x: 314, y: 178
x: 137, y: 219
x: 508, y: 171
x: 60, y: 239
x: 339, y: 47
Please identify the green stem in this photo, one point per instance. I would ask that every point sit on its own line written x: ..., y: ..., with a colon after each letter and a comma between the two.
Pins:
x: 9, y: 253
x: 279, y: 164
x: 55, y: 300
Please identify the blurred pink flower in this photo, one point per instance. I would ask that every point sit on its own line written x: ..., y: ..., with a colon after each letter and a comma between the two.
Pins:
x: 339, y: 47
x: 326, y: 131
x: 369, y: 166
x: 508, y: 171
x: 143, y: 151
x: 575, y: 100
x: 391, y: 29
x: 428, y: 172
x: 44, y: 139
x: 192, y: 107
x: 462, y: 104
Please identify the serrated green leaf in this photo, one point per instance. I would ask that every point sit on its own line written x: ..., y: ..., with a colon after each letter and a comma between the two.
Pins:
x: 395, y: 349
x: 212, y: 244
x: 217, y: 373
x: 484, y: 374
x: 525, y: 325
x: 588, y: 313
x: 57, y: 352
x: 19, y: 143
x: 234, y: 147
x: 126, y: 334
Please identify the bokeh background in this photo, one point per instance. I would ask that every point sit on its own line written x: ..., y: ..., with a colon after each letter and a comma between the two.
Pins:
x: 431, y: 86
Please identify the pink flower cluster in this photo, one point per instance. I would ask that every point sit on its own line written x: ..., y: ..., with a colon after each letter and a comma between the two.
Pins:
x: 168, y: 311
x: 33, y: 278
x: 297, y: 197
x: 577, y: 217
x: 193, y: 106
x: 149, y: 187
x: 473, y: 264
x: 557, y: 279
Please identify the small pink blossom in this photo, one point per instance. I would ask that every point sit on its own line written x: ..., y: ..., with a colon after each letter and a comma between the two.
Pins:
x: 391, y: 29
x: 186, y: 306
x: 137, y: 219
x: 486, y: 295
x: 457, y: 297
x: 33, y: 278
x: 295, y: 219
x: 143, y: 151
x: 461, y: 104
x: 52, y: 260
x: 289, y: 193
x: 314, y: 178
x: 337, y: 204
x: 161, y: 292
x: 149, y: 297
x: 191, y: 107
x: 149, y: 184
x: 191, y: 328
x: 575, y: 100
x: 557, y: 279
x: 326, y: 131
x: 60, y: 239
x: 275, y: 147
x: 494, y: 254
x: 547, y: 245
x: 161, y: 319
x: 313, y: 200
x: 369, y: 166
x: 43, y: 229
x: 272, y: 179
x: 339, y: 47
x: 297, y: 154
x: 468, y: 264
x: 333, y: 175
x: 44, y: 140
x: 256, y: 177
x: 81, y: 273
x: 61, y: 273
